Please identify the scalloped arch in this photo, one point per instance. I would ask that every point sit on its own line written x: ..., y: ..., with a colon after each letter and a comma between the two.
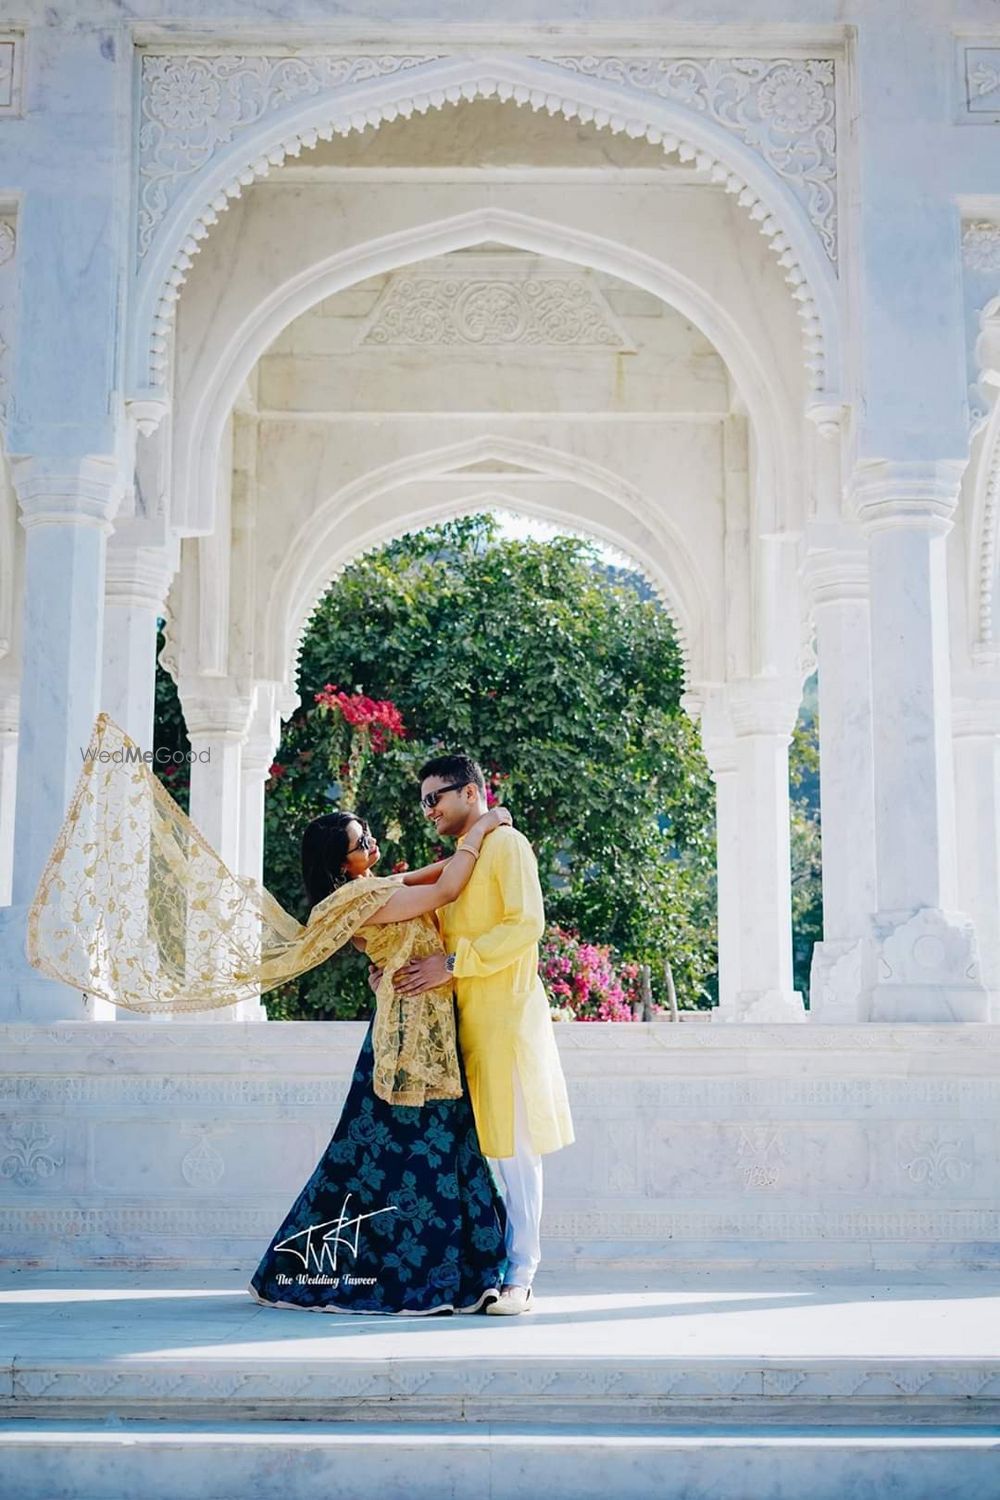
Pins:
x: 529, y: 81
x: 206, y: 409
x: 984, y: 557
x: 378, y: 505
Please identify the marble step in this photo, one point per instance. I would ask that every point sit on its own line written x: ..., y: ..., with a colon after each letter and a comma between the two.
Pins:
x: 617, y: 1389
x: 632, y: 1349
x: 298, y: 1461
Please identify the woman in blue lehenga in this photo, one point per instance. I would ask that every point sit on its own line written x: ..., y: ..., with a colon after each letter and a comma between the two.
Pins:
x: 402, y: 1213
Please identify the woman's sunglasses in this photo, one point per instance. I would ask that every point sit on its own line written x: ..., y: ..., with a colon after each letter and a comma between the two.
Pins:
x: 366, y: 841
x: 433, y: 798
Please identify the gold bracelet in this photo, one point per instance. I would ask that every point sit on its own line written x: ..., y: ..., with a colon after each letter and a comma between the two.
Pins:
x: 464, y: 849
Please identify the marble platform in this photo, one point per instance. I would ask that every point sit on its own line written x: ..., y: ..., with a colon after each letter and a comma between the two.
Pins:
x: 182, y: 1145
x: 764, y: 1385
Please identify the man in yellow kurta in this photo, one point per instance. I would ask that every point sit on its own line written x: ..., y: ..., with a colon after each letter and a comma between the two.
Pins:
x: 505, y: 1031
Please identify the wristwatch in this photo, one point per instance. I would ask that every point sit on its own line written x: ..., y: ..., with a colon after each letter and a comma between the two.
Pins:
x: 449, y: 963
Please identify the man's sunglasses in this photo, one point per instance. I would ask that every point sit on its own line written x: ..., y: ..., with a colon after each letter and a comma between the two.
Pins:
x: 433, y: 798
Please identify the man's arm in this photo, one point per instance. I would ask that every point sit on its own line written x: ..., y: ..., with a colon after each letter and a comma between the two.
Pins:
x: 523, y: 920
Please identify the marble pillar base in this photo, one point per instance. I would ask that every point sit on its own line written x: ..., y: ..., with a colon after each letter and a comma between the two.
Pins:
x: 840, y: 982
x: 765, y: 1006
x: 26, y: 994
x: 928, y: 970
x: 928, y: 1004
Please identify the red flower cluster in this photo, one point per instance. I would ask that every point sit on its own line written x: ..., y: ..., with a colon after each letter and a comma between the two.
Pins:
x: 378, y: 716
x: 494, y: 783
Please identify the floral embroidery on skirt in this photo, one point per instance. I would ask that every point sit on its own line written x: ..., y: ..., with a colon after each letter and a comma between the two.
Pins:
x: 401, y: 1215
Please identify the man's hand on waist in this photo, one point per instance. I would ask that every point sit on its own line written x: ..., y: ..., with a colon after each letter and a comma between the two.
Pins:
x: 422, y: 974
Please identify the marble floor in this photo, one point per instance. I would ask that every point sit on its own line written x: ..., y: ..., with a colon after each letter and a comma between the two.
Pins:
x: 714, y: 1387
x: 80, y: 1336
x: 779, y: 1315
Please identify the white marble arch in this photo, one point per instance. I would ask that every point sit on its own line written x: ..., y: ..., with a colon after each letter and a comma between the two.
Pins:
x: 222, y: 360
x: 408, y: 495
x: 249, y: 287
x: 250, y: 154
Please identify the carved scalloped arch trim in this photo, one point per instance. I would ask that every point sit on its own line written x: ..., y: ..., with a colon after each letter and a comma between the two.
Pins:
x: 538, y: 99
x: 471, y: 508
x: 986, y: 552
x: 293, y: 602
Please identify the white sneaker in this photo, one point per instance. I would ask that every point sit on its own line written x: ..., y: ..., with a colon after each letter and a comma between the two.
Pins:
x: 511, y: 1301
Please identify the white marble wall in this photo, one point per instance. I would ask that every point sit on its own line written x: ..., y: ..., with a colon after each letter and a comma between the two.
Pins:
x: 841, y: 1146
x: 160, y: 269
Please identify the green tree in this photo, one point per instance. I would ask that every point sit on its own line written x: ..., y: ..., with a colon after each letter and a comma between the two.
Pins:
x: 565, y: 684
x: 170, y: 737
x: 806, y: 840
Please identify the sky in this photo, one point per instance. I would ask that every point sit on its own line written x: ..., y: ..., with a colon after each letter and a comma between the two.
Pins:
x: 523, y: 528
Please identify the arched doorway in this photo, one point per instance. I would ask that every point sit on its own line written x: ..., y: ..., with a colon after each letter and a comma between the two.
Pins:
x: 620, y: 412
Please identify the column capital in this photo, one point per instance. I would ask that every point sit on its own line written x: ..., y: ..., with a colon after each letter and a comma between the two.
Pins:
x: 907, y: 495
x: 727, y: 711
x: 68, y: 491
x: 764, y: 705
x: 139, y: 574
x: 721, y: 754
x: 975, y: 717
x: 706, y: 703
x: 216, y: 708
x: 836, y: 577
x: 828, y: 418
x: 147, y: 410
x: 271, y: 704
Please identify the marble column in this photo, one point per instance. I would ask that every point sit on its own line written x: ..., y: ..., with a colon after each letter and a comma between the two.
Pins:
x: 138, y: 578
x: 259, y: 751
x: 721, y: 755
x: 218, y: 718
x: 271, y: 702
x: 928, y: 962
x: 9, y: 713
x: 254, y: 772
x: 140, y: 566
x: 763, y: 714
x: 67, y: 507
x: 837, y: 577
x: 745, y: 732
x: 977, y: 801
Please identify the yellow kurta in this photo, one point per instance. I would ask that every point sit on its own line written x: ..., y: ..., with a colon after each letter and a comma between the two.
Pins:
x: 504, y: 1021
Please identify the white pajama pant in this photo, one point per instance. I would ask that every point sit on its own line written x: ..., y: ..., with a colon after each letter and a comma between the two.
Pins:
x: 521, y: 1185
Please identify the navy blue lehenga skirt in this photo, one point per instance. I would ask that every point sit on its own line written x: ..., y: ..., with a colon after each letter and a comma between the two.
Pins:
x: 401, y: 1215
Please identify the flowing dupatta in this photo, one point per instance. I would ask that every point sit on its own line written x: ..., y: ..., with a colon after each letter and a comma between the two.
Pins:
x: 136, y: 907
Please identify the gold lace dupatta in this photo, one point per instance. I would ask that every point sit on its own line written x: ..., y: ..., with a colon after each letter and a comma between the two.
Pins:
x: 135, y: 906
